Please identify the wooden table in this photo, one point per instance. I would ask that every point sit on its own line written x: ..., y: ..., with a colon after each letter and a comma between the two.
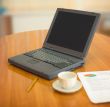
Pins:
x: 14, y: 82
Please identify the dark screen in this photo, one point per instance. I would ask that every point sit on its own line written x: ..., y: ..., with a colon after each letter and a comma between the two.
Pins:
x: 71, y: 30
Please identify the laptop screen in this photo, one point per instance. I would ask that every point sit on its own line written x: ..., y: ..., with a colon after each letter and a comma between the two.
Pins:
x: 71, y: 30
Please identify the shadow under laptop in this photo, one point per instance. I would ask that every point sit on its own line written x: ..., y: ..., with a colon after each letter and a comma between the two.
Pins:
x: 28, y: 80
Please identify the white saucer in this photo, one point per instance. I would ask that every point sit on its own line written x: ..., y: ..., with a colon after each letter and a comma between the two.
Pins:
x: 57, y: 87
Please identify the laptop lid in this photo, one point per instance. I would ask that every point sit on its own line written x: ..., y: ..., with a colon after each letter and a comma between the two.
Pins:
x: 71, y: 32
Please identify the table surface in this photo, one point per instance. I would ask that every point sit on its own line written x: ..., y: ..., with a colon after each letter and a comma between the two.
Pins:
x: 15, y: 83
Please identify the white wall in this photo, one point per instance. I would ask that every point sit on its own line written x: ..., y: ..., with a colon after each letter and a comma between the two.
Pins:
x: 36, y: 4
x: 22, y: 23
x: 30, y: 15
x: 93, y: 5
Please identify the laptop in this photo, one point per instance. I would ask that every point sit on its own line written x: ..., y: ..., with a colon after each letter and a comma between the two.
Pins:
x: 65, y: 46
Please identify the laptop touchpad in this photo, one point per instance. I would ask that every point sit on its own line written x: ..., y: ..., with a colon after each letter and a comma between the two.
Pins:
x: 32, y: 61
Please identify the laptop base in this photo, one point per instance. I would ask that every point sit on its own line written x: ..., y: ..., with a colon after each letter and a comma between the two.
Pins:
x: 39, y: 68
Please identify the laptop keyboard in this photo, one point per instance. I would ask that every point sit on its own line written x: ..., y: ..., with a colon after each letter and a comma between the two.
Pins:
x: 50, y: 57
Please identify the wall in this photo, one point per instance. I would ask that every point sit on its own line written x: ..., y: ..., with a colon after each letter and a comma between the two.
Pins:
x: 38, y: 14
x: 93, y: 5
x: 30, y: 15
x: 36, y: 4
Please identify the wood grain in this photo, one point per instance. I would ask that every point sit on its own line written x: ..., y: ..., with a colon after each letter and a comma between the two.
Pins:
x: 14, y: 81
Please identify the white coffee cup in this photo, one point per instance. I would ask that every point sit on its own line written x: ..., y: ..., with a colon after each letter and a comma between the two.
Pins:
x: 67, y: 79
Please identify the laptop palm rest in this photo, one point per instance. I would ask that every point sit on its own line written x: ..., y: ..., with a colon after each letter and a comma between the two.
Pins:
x: 34, y: 66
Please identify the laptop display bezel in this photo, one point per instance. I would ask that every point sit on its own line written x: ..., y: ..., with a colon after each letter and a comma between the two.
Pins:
x: 70, y: 51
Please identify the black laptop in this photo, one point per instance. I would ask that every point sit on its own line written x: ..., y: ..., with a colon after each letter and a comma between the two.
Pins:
x: 65, y: 46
